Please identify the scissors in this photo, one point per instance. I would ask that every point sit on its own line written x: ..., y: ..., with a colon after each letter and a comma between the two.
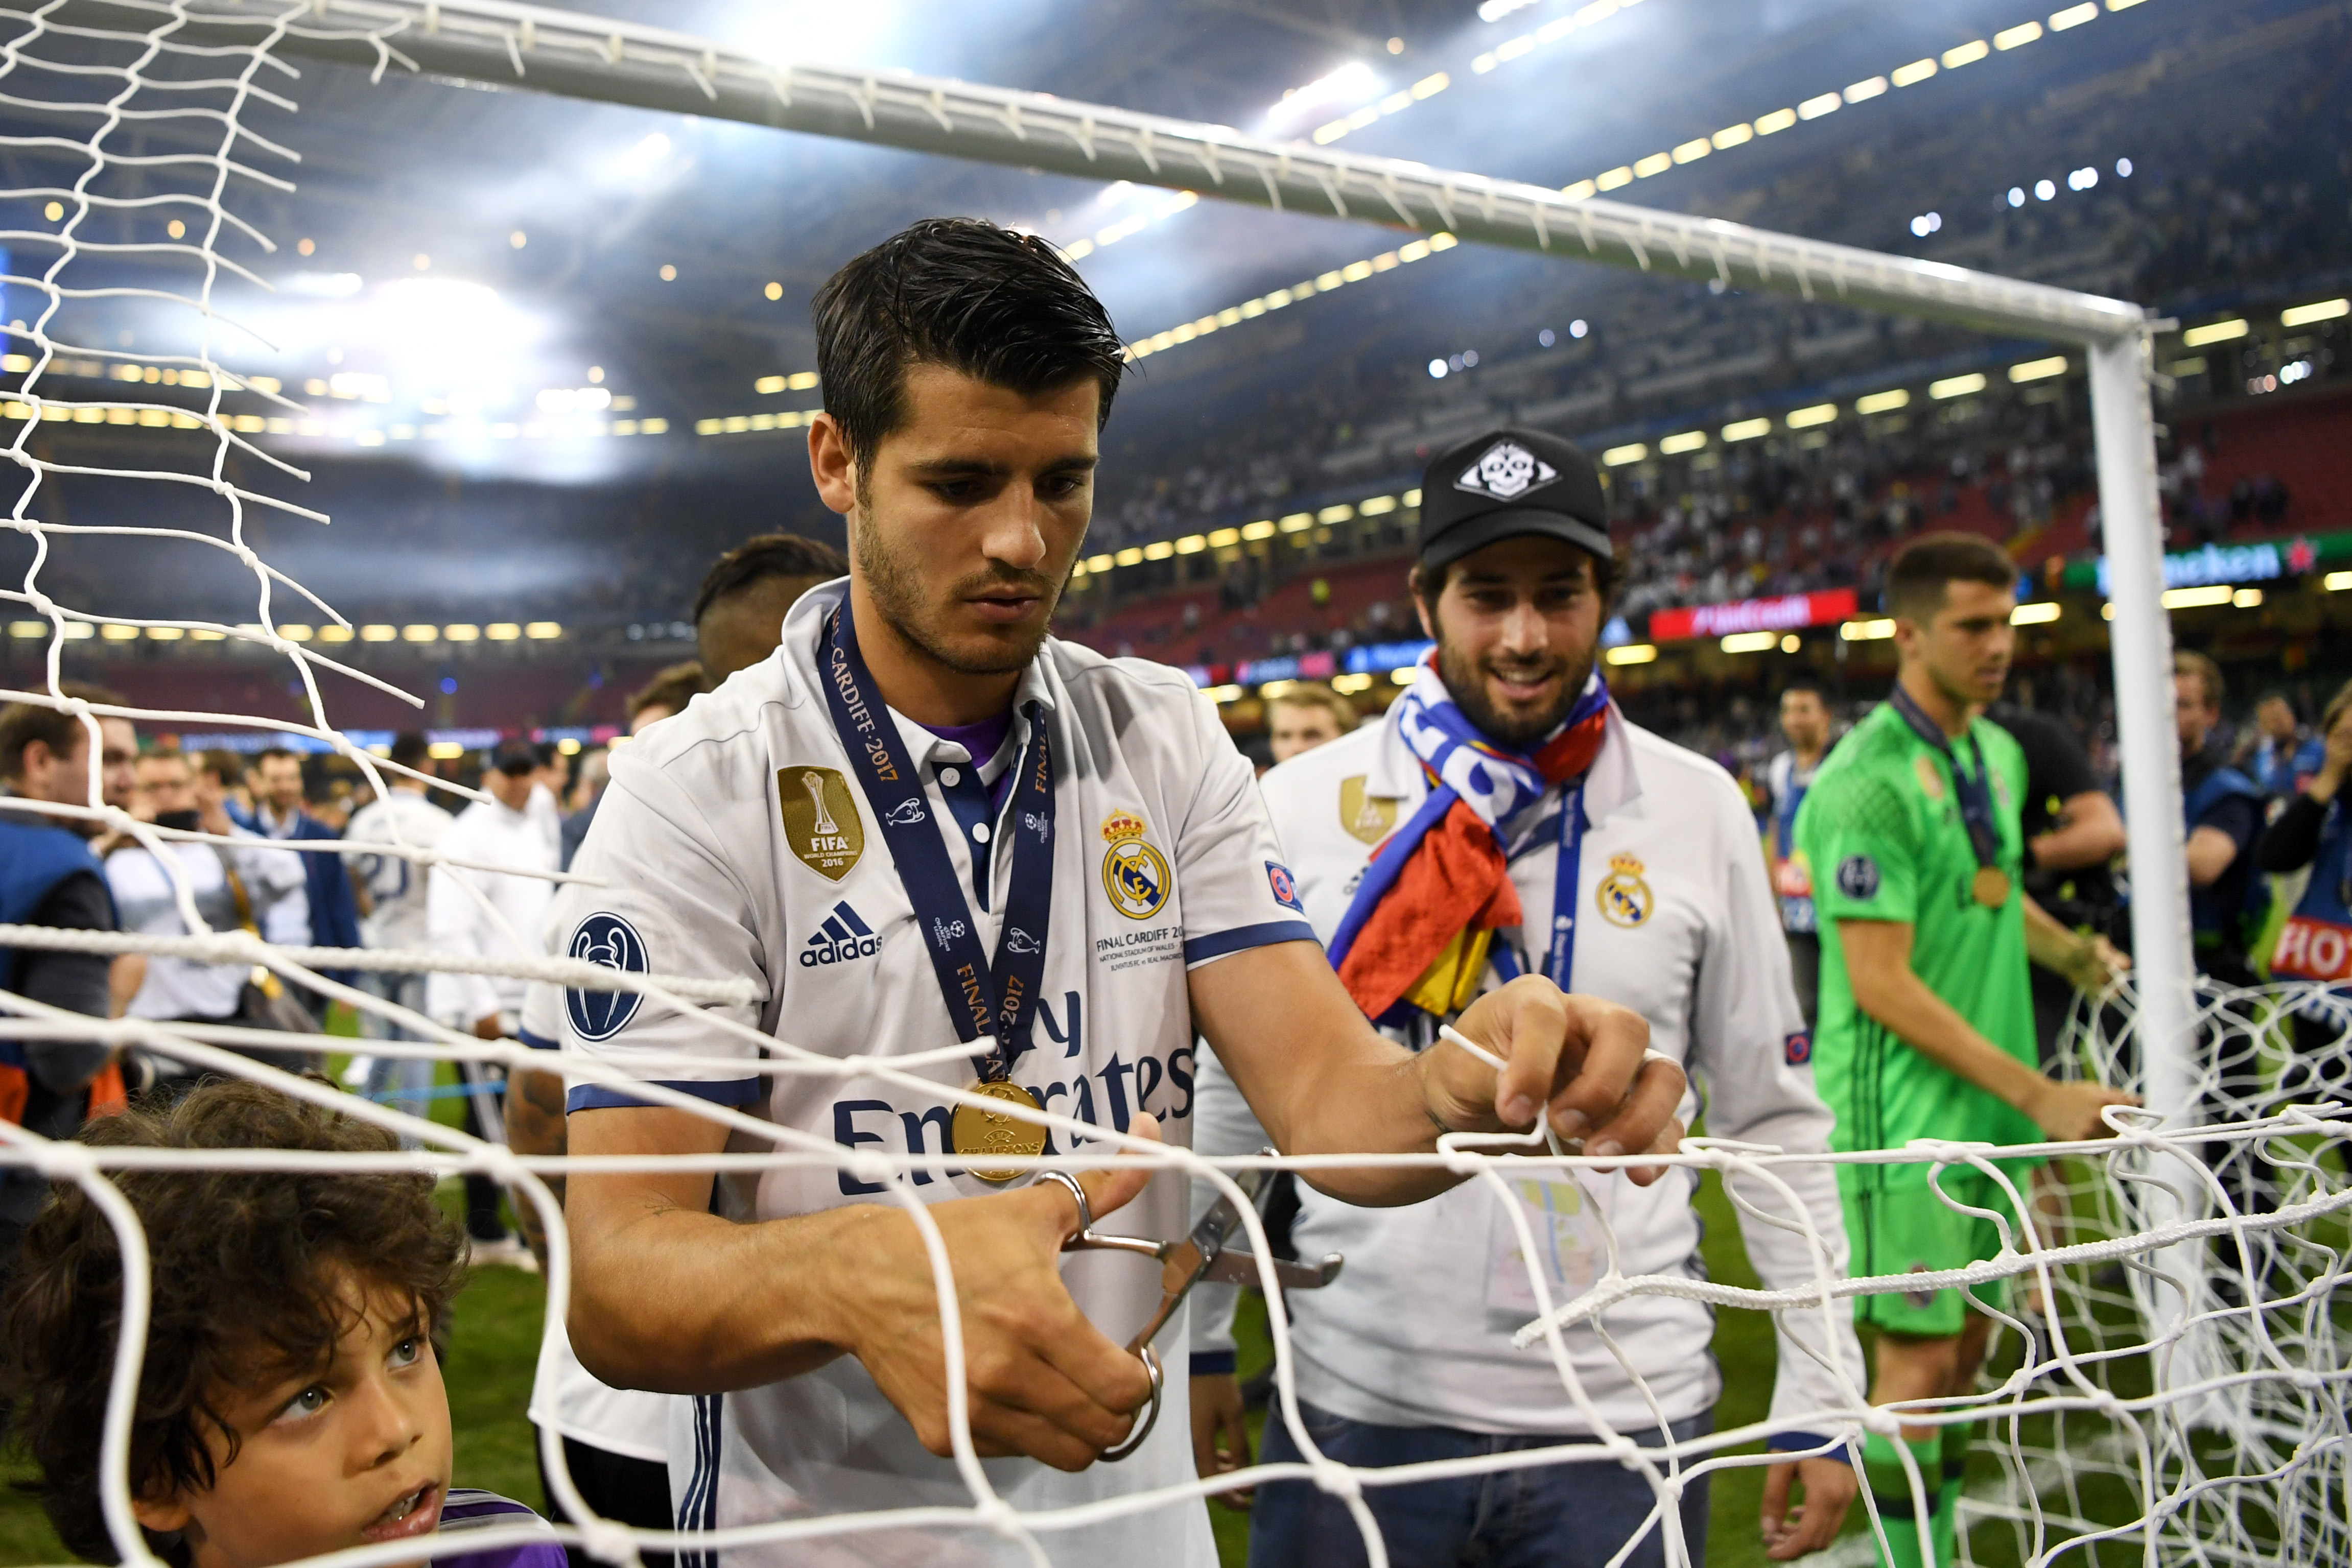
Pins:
x: 1202, y: 1255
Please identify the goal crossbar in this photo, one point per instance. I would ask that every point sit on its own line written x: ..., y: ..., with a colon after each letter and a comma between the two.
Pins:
x: 571, y: 55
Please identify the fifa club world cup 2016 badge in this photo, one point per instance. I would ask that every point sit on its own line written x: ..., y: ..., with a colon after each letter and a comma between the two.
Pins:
x: 1370, y: 817
x: 821, y: 821
x: 1134, y: 874
x: 1623, y: 895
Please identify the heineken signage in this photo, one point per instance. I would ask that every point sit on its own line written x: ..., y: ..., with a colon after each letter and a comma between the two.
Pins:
x: 2256, y: 560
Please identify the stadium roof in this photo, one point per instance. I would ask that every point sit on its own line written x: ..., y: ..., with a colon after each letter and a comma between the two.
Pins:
x: 481, y: 257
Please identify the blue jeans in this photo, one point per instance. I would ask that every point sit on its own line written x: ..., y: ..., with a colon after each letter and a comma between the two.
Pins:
x: 401, y: 1084
x: 1551, y: 1516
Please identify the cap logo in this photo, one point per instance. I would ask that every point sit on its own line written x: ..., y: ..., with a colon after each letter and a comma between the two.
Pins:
x: 1506, y: 471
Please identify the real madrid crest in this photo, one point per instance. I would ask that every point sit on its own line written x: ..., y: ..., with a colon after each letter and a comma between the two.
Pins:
x: 1623, y: 895
x: 1134, y: 874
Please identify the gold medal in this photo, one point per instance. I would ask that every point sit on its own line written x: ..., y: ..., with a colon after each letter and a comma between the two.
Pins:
x: 979, y: 1133
x: 1990, y: 887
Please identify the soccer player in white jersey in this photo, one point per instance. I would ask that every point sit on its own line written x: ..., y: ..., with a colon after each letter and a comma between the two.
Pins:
x: 392, y: 889
x: 1504, y: 819
x: 825, y: 821
x: 517, y: 826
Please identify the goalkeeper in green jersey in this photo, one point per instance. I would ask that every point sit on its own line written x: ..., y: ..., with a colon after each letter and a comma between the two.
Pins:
x: 1926, y: 1027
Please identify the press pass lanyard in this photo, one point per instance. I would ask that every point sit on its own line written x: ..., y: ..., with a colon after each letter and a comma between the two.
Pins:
x: 1975, y: 793
x: 1559, y: 962
x: 998, y: 998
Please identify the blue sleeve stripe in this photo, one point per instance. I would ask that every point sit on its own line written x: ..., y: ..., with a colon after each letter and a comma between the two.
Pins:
x: 1213, y: 1362
x: 537, y: 1042
x: 597, y: 1097
x: 1200, y: 949
x: 1801, y: 1442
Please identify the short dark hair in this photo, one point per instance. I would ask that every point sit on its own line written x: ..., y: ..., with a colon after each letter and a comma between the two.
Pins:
x: 672, y: 688
x: 21, y: 723
x: 1921, y: 572
x: 247, y: 1270
x: 2273, y: 694
x: 1806, y: 681
x: 222, y: 764
x: 2189, y: 662
x: 272, y: 753
x: 769, y: 555
x: 411, y: 749
x: 1000, y: 307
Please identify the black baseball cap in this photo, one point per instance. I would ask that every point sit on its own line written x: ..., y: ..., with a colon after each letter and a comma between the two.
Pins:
x: 1507, y: 483
x: 515, y: 757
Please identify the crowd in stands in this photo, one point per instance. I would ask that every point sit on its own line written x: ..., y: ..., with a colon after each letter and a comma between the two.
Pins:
x: 2231, y: 199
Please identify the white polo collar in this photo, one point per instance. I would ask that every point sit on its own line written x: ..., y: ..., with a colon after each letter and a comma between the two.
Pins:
x: 803, y: 634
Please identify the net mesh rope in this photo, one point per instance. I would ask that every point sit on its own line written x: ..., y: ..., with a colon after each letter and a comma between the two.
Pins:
x: 2181, y: 1396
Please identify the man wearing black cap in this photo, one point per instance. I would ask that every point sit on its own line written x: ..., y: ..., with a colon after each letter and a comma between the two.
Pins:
x: 518, y: 826
x: 1503, y: 819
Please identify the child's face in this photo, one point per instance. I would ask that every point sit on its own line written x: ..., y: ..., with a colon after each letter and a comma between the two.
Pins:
x: 352, y: 1454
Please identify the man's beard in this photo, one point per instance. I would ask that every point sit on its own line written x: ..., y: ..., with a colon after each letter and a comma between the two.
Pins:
x: 896, y: 589
x: 1466, y: 682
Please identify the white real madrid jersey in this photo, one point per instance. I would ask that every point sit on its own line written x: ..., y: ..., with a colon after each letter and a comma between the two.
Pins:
x: 1672, y: 917
x: 396, y: 884
x: 734, y: 841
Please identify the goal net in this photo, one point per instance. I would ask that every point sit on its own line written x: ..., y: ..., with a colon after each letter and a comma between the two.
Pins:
x: 2178, y: 1396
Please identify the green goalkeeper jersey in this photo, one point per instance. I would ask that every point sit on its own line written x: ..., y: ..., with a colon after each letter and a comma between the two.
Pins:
x: 1881, y: 831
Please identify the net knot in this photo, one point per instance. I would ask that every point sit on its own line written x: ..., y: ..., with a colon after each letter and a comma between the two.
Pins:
x: 609, y: 1542
x: 998, y: 1516
x: 1337, y: 1479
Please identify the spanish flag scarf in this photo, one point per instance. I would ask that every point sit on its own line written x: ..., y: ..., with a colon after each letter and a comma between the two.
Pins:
x: 1416, y: 935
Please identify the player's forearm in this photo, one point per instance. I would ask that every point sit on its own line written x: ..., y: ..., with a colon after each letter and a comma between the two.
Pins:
x: 679, y: 1302
x: 1366, y: 1094
x: 1903, y: 1003
x: 2049, y: 944
x: 1320, y: 1078
x: 2092, y: 834
x: 1379, y: 1101
x: 535, y: 1126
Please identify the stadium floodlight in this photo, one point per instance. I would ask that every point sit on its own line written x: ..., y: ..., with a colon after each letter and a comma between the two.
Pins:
x: 2310, y: 314
x: 2214, y: 332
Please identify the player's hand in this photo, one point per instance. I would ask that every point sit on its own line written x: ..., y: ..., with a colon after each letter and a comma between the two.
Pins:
x: 1220, y: 1430
x: 487, y: 1027
x: 1575, y: 1059
x: 2069, y: 1113
x: 2094, y: 965
x: 1041, y: 1381
x: 1829, y: 1486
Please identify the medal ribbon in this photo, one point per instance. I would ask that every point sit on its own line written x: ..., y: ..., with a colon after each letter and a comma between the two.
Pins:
x: 1975, y: 794
x: 1559, y: 961
x: 983, y: 998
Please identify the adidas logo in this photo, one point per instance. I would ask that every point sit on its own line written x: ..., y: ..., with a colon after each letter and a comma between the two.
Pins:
x: 843, y: 938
